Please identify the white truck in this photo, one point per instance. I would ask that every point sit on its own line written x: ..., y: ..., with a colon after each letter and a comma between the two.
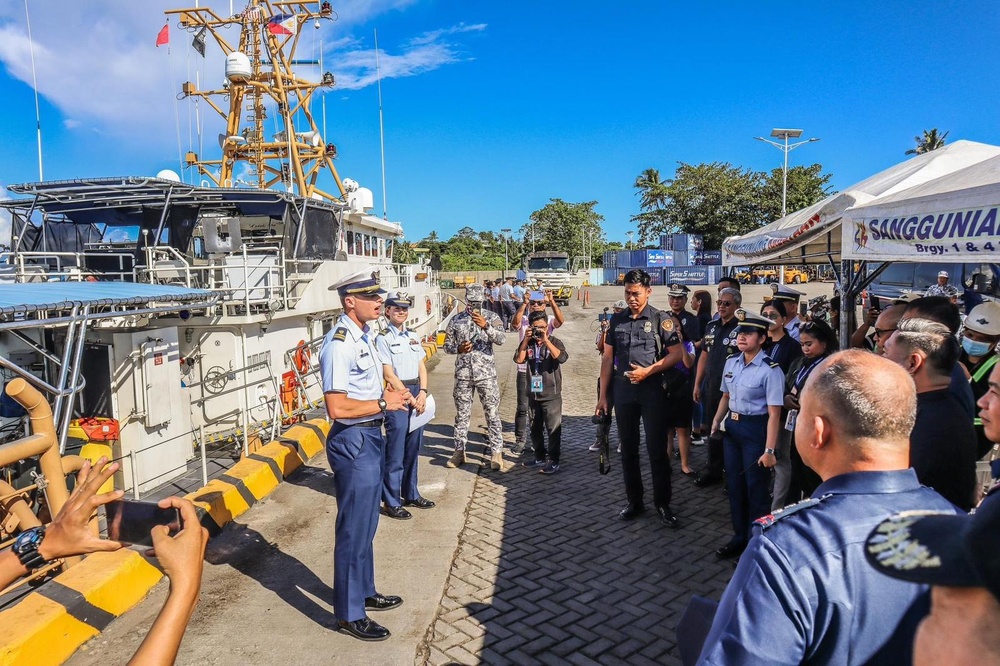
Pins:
x: 551, y: 270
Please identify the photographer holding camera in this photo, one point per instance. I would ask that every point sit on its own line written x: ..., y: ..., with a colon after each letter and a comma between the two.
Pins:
x: 543, y: 354
x: 533, y: 301
x: 603, y: 422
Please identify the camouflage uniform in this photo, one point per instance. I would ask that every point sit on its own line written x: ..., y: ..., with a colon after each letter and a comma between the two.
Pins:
x: 476, y: 370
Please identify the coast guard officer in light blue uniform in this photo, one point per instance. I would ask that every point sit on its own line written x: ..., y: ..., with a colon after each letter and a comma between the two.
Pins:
x: 788, y: 298
x: 753, y: 391
x: 352, y: 387
x: 402, y: 358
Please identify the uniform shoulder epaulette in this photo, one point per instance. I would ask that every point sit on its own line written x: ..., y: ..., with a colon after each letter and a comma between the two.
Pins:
x: 774, y: 364
x: 770, y: 519
x: 340, y: 334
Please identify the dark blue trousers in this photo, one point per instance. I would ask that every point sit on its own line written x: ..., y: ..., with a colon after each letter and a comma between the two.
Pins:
x: 402, y: 448
x: 355, y: 455
x: 746, y: 481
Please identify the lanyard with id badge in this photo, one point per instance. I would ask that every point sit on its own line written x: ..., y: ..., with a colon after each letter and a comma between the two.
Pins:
x: 536, y: 376
x: 800, y: 380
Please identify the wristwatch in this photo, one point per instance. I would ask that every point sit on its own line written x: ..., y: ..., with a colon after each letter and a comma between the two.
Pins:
x: 769, y: 452
x: 26, y: 547
x: 382, y: 405
x: 423, y: 390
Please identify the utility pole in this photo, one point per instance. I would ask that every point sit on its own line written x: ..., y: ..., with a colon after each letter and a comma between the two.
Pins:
x: 785, y: 134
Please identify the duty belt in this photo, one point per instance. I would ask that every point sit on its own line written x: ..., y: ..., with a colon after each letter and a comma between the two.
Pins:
x: 736, y: 416
x: 371, y: 423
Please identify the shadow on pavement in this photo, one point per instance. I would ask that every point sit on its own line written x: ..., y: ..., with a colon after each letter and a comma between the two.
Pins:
x: 247, y: 551
x: 545, y: 573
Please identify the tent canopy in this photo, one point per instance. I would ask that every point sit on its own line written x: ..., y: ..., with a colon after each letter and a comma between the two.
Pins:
x: 814, y: 234
x: 951, y: 219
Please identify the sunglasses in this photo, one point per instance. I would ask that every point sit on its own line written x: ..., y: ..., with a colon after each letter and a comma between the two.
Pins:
x: 537, y: 302
x: 773, y: 316
x: 727, y: 304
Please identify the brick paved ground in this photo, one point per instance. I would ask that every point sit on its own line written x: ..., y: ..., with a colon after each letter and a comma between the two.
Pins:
x: 544, y: 573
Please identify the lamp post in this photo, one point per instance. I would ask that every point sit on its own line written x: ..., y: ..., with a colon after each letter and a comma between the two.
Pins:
x: 785, y: 134
x: 629, y: 234
x: 505, y: 233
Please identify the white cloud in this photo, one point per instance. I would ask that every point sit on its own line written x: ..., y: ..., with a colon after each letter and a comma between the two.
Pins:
x: 97, y: 63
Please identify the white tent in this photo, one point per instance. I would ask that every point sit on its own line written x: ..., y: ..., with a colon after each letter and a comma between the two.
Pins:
x: 814, y: 235
x: 949, y: 219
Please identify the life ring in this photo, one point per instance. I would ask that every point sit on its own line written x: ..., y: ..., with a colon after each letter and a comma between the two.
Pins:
x: 427, y: 299
x: 302, y: 356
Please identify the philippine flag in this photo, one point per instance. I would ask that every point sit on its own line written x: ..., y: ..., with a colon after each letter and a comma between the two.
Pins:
x: 282, y: 24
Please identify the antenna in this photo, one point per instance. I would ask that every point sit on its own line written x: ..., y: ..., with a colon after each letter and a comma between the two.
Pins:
x: 381, y: 129
x: 34, y: 84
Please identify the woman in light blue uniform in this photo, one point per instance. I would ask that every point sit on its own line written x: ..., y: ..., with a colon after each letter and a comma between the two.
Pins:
x: 402, y: 358
x: 753, y: 389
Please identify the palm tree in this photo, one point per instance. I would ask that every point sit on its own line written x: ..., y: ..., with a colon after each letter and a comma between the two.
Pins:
x: 931, y: 140
x: 653, y: 192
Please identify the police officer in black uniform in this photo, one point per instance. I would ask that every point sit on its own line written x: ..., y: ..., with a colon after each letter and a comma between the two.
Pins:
x: 641, y: 344
x: 719, y: 342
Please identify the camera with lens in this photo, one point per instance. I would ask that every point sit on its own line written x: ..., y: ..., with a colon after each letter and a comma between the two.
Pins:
x: 537, y: 333
x: 604, y: 316
x: 601, y: 419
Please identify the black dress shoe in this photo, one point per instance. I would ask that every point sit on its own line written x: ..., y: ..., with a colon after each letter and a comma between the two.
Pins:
x: 729, y: 550
x: 364, y: 629
x: 397, y: 512
x: 420, y: 503
x: 381, y: 602
x: 705, y: 480
x: 667, y: 517
x: 631, y: 511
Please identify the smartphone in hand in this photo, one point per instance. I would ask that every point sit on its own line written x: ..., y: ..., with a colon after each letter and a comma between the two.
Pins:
x: 131, y: 522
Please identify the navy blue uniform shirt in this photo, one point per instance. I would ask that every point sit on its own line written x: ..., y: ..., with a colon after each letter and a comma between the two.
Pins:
x: 634, y: 340
x: 803, y: 591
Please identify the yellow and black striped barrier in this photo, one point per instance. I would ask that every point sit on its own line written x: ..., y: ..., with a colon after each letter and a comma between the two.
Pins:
x: 48, y: 625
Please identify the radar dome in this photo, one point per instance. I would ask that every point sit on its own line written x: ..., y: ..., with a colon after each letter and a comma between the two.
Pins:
x: 238, y: 67
x: 167, y: 174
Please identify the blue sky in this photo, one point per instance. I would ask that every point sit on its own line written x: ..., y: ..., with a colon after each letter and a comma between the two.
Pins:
x: 493, y: 108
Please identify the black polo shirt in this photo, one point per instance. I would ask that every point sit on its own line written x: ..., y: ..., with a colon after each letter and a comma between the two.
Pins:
x: 634, y: 340
x: 719, y: 342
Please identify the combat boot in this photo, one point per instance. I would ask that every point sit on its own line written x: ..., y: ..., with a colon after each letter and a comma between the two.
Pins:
x: 457, y: 459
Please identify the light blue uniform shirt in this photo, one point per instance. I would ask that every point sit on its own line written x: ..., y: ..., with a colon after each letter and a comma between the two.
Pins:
x: 518, y: 293
x: 754, y: 386
x: 349, y: 363
x: 401, y: 350
x: 793, y: 326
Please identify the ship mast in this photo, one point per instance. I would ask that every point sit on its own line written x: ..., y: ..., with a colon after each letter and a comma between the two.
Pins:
x: 296, y: 157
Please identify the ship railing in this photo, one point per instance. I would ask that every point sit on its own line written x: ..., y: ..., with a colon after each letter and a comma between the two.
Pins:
x: 225, y: 428
x: 253, y: 279
x: 22, y: 267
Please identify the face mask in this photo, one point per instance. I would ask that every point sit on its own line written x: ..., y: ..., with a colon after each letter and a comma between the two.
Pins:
x: 976, y: 349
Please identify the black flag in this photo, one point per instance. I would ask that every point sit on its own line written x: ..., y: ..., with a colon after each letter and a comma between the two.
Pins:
x: 199, y: 42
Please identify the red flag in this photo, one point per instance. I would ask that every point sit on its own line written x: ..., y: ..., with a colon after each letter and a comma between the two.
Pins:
x: 164, y: 36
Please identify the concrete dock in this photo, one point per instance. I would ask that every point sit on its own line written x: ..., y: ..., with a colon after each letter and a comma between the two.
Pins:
x: 509, y: 568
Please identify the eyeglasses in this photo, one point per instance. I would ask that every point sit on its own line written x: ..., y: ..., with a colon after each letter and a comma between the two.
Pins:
x: 726, y: 304
x: 879, y: 332
x: 772, y: 316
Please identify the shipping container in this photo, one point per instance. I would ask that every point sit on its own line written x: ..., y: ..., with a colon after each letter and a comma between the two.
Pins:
x: 692, y: 275
x: 595, y: 276
x: 655, y: 276
x: 666, y: 241
x: 610, y: 275
x: 610, y: 259
x: 711, y: 257
x: 638, y: 259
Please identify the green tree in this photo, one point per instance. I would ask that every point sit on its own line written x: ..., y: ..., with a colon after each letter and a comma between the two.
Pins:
x: 403, y: 252
x: 574, y: 228
x: 806, y: 186
x: 931, y: 140
x: 715, y: 200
